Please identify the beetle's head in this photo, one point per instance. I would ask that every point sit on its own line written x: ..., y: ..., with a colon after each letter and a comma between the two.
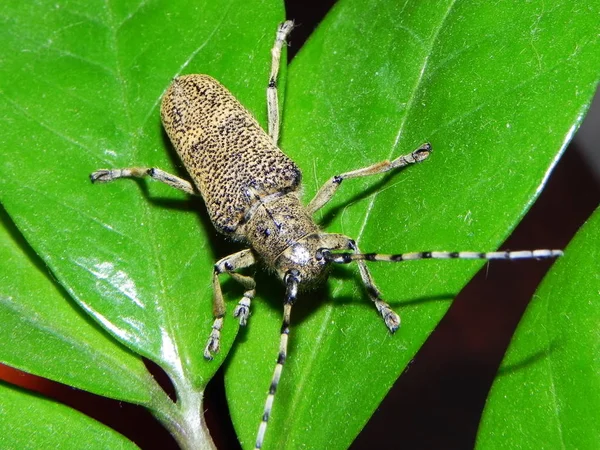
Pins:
x: 305, y: 257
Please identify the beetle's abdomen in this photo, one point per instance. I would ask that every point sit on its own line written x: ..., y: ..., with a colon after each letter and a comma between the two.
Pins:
x: 230, y: 158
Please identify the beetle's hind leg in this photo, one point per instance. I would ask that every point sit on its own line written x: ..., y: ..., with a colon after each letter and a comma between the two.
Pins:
x: 229, y: 264
x: 330, y: 187
x: 283, y: 31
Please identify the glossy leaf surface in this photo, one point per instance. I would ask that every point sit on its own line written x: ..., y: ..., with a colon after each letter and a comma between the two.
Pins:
x: 45, y: 334
x: 29, y: 421
x: 547, y: 393
x: 80, y: 90
x: 81, y: 86
x: 498, y: 89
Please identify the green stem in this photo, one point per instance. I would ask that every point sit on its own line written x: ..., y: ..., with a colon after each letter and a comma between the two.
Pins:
x: 184, y: 419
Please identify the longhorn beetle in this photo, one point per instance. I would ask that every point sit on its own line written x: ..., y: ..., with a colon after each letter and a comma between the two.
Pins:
x: 251, y: 191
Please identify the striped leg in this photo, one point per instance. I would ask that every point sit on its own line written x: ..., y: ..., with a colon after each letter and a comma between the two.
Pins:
x: 239, y: 260
x: 283, y: 31
x: 291, y: 283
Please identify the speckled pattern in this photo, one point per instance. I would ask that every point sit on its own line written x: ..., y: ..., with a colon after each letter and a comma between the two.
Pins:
x: 230, y: 157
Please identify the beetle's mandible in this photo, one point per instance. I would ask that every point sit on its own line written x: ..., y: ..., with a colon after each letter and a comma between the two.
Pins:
x: 251, y: 191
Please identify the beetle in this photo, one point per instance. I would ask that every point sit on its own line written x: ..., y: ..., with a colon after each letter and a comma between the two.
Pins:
x: 251, y: 191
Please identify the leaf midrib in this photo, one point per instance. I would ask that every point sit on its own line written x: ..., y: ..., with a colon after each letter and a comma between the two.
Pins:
x: 319, y: 337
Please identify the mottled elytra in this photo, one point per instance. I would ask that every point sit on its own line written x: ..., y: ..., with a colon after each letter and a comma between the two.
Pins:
x: 251, y: 191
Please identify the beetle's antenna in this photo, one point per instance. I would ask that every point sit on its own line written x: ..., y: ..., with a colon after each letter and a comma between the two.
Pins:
x: 346, y: 258
x: 291, y: 291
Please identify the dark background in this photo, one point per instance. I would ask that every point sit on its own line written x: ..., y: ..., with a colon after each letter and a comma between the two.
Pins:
x: 437, y: 403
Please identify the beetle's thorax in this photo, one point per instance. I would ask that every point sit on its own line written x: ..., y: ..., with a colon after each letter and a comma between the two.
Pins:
x: 285, y: 237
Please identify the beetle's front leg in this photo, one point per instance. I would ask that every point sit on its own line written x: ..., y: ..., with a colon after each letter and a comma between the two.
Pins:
x: 229, y: 264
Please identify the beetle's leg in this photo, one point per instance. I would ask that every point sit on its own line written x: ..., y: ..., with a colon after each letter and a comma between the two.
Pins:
x: 330, y: 187
x: 283, y: 31
x: 242, y: 309
x: 106, y: 175
x: 229, y: 264
x: 332, y: 241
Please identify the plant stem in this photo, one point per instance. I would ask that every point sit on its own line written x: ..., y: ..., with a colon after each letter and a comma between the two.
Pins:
x: 184, y: 419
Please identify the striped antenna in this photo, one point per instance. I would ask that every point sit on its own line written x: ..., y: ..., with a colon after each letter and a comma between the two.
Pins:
x: 291, y: 282
x: 346, y: 258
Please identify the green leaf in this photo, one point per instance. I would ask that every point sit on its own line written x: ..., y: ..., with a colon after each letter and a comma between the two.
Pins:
x: 547, y: 393
x: 29, y: 421
x: 80, y: 88
x: 498, y: 89
x: 44, y: 333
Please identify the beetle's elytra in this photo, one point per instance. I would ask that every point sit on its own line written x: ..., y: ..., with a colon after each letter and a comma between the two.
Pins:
x: 251, y: 191
x: 224, y: 149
